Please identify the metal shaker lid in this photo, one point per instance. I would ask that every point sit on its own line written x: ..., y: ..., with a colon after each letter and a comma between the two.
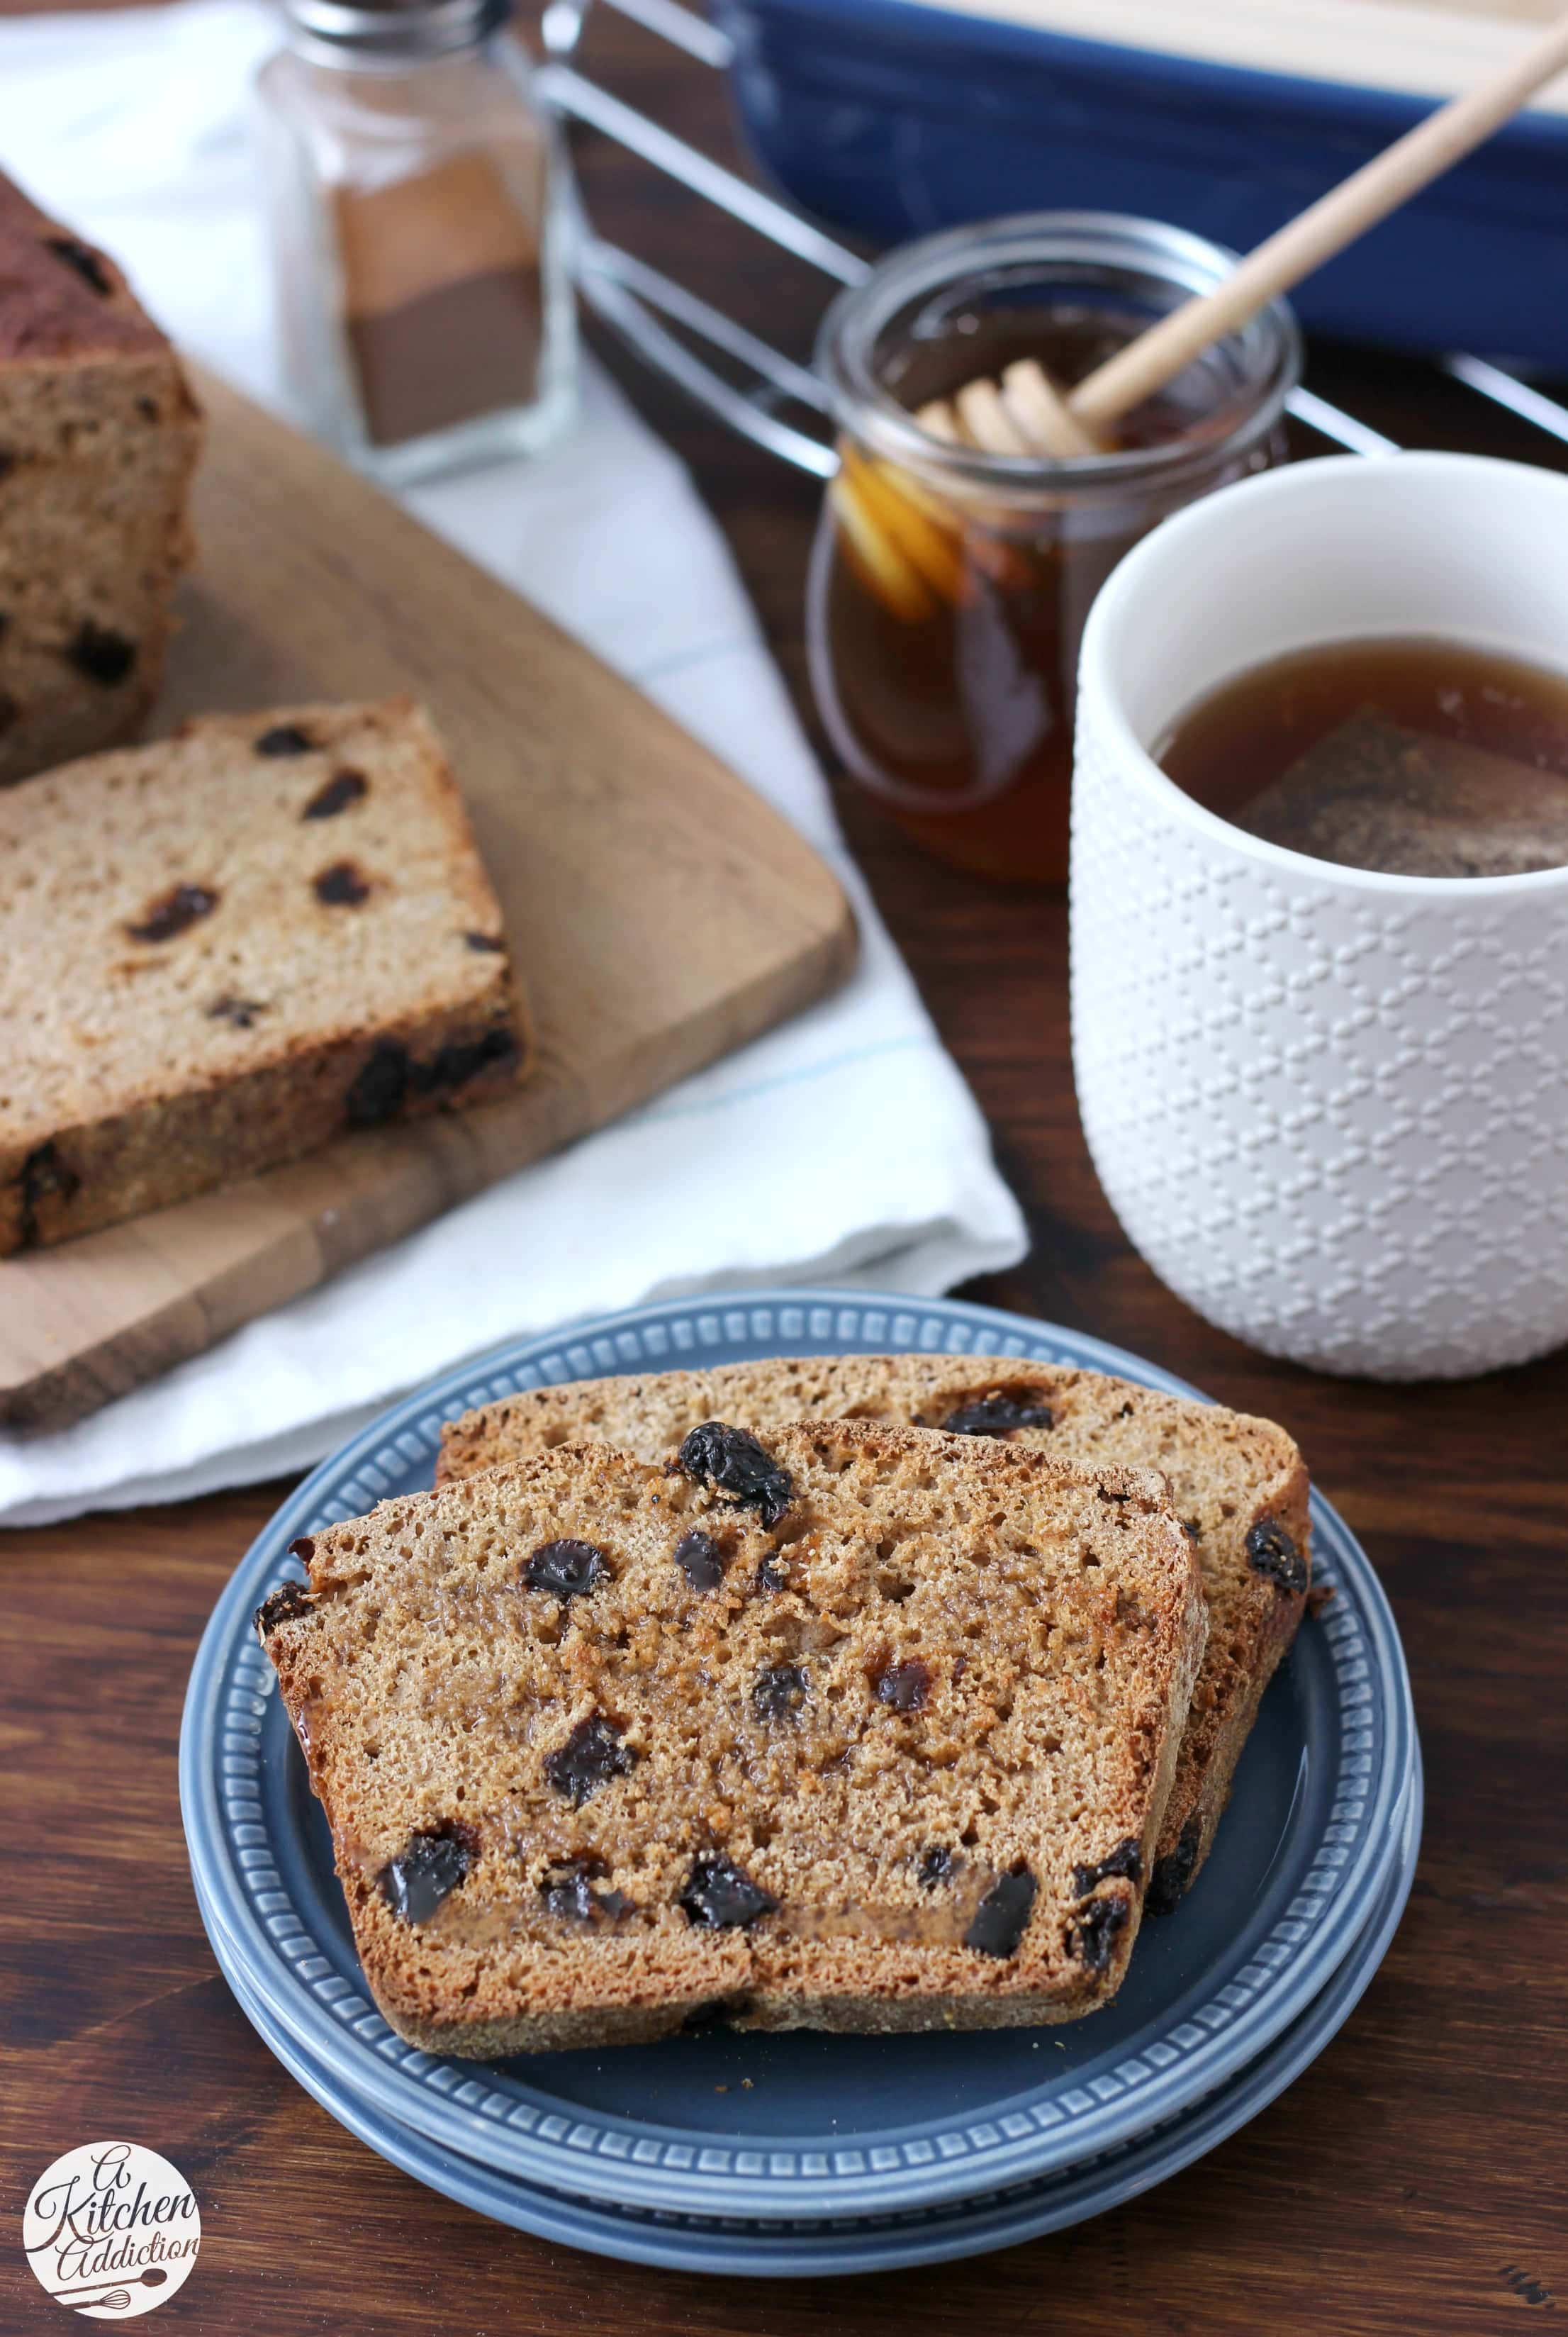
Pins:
x: 392, y: 31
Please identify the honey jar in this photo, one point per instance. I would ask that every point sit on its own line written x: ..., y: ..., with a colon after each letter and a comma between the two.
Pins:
x: 950, y: 583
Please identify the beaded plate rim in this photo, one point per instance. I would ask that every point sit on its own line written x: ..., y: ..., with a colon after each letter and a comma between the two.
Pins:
x: 497, y: 2117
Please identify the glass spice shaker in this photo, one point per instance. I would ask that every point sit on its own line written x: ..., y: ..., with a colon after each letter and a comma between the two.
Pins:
x: 418, y: 231
x: 949, y: 585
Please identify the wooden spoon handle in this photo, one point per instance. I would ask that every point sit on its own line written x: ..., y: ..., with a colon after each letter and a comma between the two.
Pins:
x: 1326, y: 227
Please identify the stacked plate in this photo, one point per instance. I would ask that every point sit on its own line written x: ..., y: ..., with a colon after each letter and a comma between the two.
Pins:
x: 802, y: 2153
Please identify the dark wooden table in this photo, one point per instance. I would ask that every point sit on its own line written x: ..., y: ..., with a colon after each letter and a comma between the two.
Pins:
x: 1412, y: 2181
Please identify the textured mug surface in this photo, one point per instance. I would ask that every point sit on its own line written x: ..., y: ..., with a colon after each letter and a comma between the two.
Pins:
x: 1330, y: 1107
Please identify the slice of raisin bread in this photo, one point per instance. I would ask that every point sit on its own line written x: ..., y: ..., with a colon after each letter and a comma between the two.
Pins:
x: 867, y: 1729
x: 99, y: 435
x: 1238, y: 1484
x: 219, y: 952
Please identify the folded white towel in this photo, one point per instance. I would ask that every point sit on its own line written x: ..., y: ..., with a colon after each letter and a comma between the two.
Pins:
x: 843, y: 1147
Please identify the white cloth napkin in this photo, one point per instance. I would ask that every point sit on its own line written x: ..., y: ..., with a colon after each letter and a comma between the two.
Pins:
x: 843, y: 1147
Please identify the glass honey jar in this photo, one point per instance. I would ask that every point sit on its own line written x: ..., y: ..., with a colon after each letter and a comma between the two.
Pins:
x: 950, y: 584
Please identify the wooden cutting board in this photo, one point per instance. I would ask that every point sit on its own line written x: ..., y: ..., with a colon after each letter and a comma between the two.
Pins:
x: 659, y: 912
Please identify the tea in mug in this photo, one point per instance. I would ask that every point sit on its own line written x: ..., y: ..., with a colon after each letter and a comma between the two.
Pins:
x: 1415, y: 758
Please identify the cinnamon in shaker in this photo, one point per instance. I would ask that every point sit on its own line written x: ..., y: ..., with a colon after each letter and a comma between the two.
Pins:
x: 442, y: 296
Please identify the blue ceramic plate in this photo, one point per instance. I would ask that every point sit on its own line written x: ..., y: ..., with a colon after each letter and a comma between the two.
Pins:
x: 874, y: 2244
x: 828, y: 2126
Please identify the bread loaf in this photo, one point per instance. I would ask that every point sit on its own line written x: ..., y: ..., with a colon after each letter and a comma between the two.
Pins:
x: 99, y: 435
x: 867, y: 1729
x: 221, y: 950
x: 1238, y: 1484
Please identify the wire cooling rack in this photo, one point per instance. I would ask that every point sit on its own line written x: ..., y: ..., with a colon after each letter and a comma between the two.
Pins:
x: 669, y: 325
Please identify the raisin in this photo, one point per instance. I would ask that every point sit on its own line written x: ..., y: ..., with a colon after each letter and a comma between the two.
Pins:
x: 700, y: 1559
x: 174, y: 912
x: 87, y: 263
x: 7, y: 465
x: 1172, y: 1873
x: 733, y: 1461
x: 335, y: 795
x: 905, y: 1686
x: 341, y: 886
x: 100, y: 654
x: 45, y: 1177
x: 241, y: 1011
x: 303, y: 1548
x: 1125, y: 1860
x: 9, y: 709
x: 720, y: 1896
x: 569, y: 1568
x: 592, y: 1754
x: 492, y: 942
x: 718, y: 2012
x: 1002, y: 1917
x: 1271, y: 1553
x: 462, y: 1059
x: 380, y: 1085
x: 389, y: 1076
x: 779, y: 1691
x: 418, y: 1879
x: 567, y: 1893
x: 281, y: 1606
x: 771, y: 1575
x: 936, y: 1867
x: 283, y: 738
x: 1095, y: 1934
x: 996, y: 1413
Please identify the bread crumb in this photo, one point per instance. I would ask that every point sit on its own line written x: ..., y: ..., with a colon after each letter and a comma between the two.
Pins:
x: 1227, y: 1473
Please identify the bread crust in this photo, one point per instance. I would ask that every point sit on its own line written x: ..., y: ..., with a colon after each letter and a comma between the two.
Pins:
x: 1261, y: 1620
x: 498, y: 1979
x: 181, y: 1095
x: 1256, y: 1471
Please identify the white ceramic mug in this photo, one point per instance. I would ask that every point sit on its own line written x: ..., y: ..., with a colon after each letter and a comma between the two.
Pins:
x: 1330, y: 1107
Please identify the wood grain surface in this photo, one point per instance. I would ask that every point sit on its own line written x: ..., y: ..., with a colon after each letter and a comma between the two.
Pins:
x: 606, y: 829
x: 1410, y: 2184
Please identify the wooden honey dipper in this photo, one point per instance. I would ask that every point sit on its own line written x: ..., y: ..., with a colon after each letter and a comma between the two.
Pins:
x: 1028, y: 414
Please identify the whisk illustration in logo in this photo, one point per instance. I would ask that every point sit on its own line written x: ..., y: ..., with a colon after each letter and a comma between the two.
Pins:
x: 112, y: 2230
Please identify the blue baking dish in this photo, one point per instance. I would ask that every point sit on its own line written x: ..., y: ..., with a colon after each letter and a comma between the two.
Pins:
x: 891, y: 119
